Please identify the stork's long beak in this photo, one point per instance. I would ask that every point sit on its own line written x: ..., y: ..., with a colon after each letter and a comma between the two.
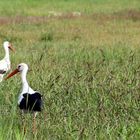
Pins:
x: 11, y: 48
x: 12, y: 74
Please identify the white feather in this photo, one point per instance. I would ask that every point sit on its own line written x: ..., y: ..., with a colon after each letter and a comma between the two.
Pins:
x: 5, y: 64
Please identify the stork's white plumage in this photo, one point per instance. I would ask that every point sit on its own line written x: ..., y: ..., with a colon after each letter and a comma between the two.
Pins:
x: 34, y: 101
x: 29, y: 100
x: 5, y: 63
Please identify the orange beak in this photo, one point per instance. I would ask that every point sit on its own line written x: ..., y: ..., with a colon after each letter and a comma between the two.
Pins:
x: 11, y: 48
x: 12, y: 74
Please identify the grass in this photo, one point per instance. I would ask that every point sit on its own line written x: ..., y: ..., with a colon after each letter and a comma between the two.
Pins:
x: 41, y: 8
x: 86, y: 67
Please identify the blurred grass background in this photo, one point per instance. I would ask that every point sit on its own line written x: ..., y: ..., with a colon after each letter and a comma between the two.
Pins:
x: 84, y: 57
x: 41, y: 8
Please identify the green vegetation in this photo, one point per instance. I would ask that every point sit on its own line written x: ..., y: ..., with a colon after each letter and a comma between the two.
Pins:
x: 86, y: 66
x: 42, y: 7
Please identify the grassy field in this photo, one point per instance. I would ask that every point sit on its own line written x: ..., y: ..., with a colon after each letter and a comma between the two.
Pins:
x: 86, y: 65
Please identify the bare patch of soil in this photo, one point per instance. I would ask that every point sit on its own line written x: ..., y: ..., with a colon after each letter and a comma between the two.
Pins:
x: 128, y: 14
x: 124, y: 14
x: 133, y: 15
x: 37, y: 19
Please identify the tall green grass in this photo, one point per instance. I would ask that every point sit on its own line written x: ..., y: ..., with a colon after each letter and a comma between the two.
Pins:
x: 87, y: 94
x: 87, y: 69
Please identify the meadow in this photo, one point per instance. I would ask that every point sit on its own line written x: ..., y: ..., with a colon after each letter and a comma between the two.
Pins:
x: 86, y: 65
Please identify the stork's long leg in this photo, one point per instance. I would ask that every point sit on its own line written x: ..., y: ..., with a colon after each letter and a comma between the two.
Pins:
x: 23, y: 122
x: 34, y: 122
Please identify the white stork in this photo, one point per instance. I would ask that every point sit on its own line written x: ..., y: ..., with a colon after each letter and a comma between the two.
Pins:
x: 29, y: 100
x: 5, y: 63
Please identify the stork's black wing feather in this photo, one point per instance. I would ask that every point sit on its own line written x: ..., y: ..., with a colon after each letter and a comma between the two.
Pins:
x: 31, y: 102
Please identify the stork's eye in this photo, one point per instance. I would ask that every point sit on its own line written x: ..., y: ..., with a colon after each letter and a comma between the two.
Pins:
x: 19, y: 67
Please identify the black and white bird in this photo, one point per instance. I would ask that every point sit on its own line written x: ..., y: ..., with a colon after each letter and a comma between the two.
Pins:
x: 5, y: 63
x: 29, y: 100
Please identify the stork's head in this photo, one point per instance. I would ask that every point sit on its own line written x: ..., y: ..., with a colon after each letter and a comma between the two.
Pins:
x: 21, y: 67
x: 7, y: 44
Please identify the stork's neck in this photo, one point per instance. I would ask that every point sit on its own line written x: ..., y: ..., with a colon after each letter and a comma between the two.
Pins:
x: 25, y: 86
x: 6, y: 53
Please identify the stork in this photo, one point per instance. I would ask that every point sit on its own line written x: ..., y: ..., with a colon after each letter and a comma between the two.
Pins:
x: 29, y: 100
x: 5, y: 63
